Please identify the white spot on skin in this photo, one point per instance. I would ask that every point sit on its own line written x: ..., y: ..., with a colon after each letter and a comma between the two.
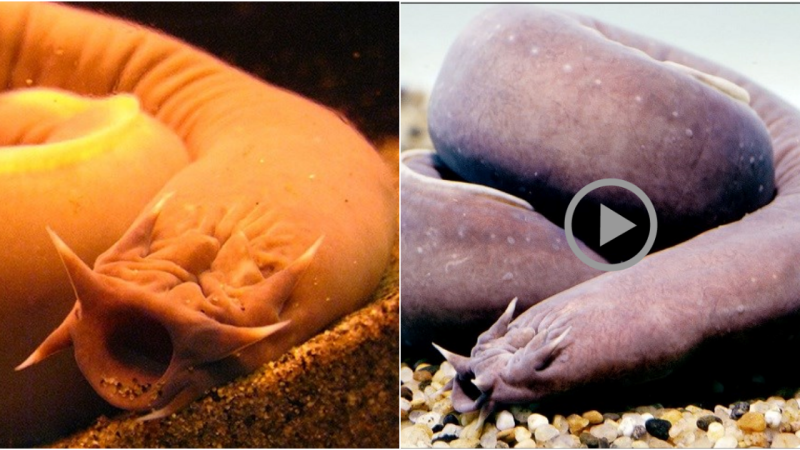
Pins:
x: 638, y: 98
x: 567, y: 68
x: 534, y: 50
x: 456, y: 262
x: 508, y: 276
x: 752, y: 159
x: 689, y: 132
x: 419, y: 249
x: 512, y: 38
x: 740, y: 309
x: 598, y: 81
x: 511, y: 240
x: 675, y: 114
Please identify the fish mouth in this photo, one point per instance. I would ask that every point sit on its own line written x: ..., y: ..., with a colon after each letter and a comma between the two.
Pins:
x: 126, y: 359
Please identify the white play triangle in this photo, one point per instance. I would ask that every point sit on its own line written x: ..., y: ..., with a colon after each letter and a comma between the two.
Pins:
x: 612, y: 225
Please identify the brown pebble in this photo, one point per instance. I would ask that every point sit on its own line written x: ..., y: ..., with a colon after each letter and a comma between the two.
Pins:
x: 752, y: 422
x: 594, y: 417
x: 577, y: 423
x: 707, y: 420
x: 589, y: 440
x: 423, y: 375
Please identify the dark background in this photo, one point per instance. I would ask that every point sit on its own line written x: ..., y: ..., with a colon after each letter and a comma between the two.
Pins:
x: 343, y: 55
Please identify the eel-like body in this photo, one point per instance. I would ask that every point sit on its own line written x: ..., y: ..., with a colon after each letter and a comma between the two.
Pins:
x: 456, y: 233
x: 731, y: 268
x: 281, y: 222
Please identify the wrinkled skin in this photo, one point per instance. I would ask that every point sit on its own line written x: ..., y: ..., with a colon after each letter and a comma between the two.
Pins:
x: 276, y: 220
x: 641, y: 321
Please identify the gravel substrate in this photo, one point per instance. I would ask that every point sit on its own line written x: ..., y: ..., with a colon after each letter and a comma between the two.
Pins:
x: 428, y: 420
x: 336, y: 390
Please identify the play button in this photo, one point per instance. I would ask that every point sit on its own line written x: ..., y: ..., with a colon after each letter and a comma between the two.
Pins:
x: 612, y: 225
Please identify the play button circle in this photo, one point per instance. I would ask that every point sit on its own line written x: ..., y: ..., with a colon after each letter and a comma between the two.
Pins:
x: 612, y: 225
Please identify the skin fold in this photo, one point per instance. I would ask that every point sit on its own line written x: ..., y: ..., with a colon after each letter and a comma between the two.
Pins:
x: 641, y: 321
x: 477, y: 233
x: 280, y: 222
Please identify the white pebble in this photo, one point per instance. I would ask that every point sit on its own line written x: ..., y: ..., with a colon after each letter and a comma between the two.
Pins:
x: 504, y: 421
x: 430, y: 419
x: 447, y: 370
x: 702, y: 442
x: 535, y: 421
x: 773, y: 418
x: 622, y: 442
x: 443, y: 406
x: 760, y: 406
x: 521, y: 434
x: 646, y: 417
x: 722, y: 412
x: 565, y: 441
x: 733, y: 430
x: 726, y: 442
x: 464, y: 443
x: 608, y: 431
x: 626, y: 425
x: 406, y: 374
x: 418, y: 398
x: 415, y: 436
x: 527, y: 443
x: 414, y: 416
x: 489, y: 436
x: 715, y: 431
x: 545, y: 432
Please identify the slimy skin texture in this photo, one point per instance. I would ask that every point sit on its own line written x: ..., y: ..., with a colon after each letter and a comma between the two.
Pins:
x: 454, y: 233
x: 554, y: 106
x: 641, y: 321
x: 281, y: 223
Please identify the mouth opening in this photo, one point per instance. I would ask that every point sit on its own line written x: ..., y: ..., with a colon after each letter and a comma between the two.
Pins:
x: 142, y: 347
